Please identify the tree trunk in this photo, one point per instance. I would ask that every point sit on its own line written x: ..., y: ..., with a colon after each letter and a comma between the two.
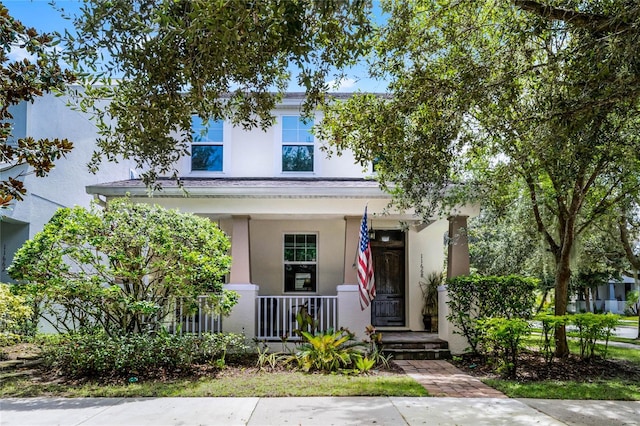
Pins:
x: 636, y: 282
x: 563, y: 274
x: 587, y: 299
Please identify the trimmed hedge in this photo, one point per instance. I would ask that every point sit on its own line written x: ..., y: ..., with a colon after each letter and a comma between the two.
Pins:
x: 477, y: 297
x: 132, y: 355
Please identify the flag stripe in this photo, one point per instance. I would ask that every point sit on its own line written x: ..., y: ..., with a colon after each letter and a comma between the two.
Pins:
x: 366, y: 279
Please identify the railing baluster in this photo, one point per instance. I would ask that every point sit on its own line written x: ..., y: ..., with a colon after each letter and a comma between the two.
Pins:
x: 276, y: 315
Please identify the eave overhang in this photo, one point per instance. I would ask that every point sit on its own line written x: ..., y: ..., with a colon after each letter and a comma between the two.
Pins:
x: 245, y: 188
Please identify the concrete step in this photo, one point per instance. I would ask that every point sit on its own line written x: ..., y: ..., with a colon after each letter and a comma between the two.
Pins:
x: 415, y: 345
x: 428, y: 354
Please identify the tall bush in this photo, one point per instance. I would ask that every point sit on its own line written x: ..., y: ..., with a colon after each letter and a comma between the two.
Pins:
x: 476, y: 297
x: 121, y: 268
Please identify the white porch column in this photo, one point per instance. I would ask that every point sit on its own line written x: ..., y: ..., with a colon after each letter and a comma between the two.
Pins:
x: 349, y: 313
x: 242, y: 319
x: 243, y: 316
x: 457, y: 264
x: 611, y: 304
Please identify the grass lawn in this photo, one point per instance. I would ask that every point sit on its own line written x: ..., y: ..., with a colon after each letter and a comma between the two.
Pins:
x: 233, y: 381
x: 619, y: 390
x: 629, y: 321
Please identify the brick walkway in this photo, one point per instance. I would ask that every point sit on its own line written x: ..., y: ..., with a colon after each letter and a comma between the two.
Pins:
x: 440, y: 378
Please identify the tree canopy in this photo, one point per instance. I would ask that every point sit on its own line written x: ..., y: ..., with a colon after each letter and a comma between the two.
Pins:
x: 229, y: 59
x: 496, y: 95
x: 122, y: 268
x: 23, y: 80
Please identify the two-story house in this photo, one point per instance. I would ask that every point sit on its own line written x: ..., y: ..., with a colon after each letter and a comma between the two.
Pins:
x: 293, y: 216
x: 50, y: 117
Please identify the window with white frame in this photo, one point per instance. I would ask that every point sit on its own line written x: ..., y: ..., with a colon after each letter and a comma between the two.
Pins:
x: 297, y: 144
x: 300, y: 262
x: 207, y: 145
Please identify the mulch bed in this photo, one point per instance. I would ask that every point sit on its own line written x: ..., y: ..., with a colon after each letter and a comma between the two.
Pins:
x: 532, y: 367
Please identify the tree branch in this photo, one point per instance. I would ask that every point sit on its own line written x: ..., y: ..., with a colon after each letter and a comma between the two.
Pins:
x: 538, y: 216
x: 626, y: 244
x: 592, y: 21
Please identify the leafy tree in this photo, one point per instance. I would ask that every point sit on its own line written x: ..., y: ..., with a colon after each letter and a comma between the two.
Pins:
x: 629, y: 232
x: 493, y: 94
x: 24, y: 80
x: 122, y: 268
x: 217, y: 59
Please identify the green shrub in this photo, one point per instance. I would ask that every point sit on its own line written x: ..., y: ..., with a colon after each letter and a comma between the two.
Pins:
x: 100, y: 355
x: 92, y: 268
x: 476, y: 297
x: 217, y: 347
x: 374, y: 352
x: 632, y: 303
x: 503, y: 338
x: 547, y: 341
x: 13, y: 311
x: 592, y: 327
x: 328, y: 352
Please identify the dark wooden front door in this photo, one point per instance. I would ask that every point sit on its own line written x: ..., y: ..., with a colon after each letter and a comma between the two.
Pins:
x: 388, y: 308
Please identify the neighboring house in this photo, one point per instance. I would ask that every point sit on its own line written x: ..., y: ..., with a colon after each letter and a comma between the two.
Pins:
x: 293, y: 217
x: 609, y: 297
x: 50, y: 117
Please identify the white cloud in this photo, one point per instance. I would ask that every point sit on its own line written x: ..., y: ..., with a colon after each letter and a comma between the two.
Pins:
x: 344, y: 85
x: 19, y: 53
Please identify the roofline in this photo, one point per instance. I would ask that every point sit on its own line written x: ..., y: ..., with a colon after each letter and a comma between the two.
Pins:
x: 234, y: 188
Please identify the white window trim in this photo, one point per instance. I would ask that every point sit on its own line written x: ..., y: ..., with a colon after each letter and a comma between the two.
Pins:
x: 316, y: 263
x: 226, y: 155
x: 279, y: 143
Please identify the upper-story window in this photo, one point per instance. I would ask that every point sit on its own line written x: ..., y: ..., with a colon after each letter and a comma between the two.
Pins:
x: 18, y: 123
x: 297, y: 144
x: 207, y: 146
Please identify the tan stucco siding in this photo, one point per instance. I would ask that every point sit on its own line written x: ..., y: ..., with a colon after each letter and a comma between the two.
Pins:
x: 266, y: 237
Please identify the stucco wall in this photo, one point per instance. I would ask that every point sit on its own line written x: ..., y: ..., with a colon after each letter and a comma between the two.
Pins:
x: 257, y: 153
x: 50, y: 117
x: 425, y: 254
x: 266, y: 237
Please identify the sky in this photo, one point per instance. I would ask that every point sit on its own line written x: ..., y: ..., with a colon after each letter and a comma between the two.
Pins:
x: 40, y: 15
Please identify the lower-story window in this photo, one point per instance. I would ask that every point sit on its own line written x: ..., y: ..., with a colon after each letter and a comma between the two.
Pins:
x: 300, y: 262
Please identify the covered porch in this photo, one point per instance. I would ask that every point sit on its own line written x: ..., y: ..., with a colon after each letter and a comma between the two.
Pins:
x: 268, y: 219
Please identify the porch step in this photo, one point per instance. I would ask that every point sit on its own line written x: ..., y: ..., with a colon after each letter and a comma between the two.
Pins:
x: 414, y: 345
x: 430, y: 354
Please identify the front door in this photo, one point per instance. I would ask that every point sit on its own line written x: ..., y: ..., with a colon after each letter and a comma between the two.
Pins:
x: 387, y: 309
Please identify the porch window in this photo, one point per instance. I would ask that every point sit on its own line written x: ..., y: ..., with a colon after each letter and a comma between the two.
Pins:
x: 297, y: 144
x: 300, y: 261
x: 207, y: 145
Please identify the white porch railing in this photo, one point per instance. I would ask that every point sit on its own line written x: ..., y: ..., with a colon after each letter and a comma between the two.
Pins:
x: 198, y: 321
x: 276, y: 315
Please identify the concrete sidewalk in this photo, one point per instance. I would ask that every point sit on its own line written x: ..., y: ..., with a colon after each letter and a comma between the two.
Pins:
x: 314, y: 411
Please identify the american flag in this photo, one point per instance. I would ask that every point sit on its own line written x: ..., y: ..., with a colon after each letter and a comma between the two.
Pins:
x: 366, y: 280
